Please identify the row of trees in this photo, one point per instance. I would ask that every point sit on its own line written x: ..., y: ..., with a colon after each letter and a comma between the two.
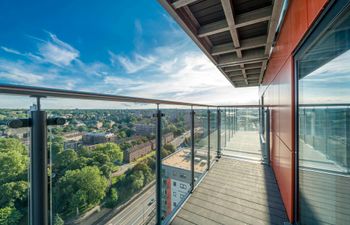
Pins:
x: 14, y: 163
x: 81, y: 178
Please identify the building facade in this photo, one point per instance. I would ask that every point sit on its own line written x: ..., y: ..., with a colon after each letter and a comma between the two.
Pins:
x: 138, y: 151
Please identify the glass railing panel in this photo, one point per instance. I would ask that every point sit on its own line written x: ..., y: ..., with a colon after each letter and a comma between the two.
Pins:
x: 14, y: 160
x: 176, y: 158
x: 223, y: 128
x: 102, y: 162
x: 213, y: 135
x: 200, y: 142
x: 244, y: 141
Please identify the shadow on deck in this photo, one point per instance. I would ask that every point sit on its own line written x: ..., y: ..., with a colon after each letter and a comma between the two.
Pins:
x: 234, y: 192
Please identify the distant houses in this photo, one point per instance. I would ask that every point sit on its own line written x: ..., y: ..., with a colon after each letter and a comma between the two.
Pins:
x: 98, y: 138
x: 137, y: 151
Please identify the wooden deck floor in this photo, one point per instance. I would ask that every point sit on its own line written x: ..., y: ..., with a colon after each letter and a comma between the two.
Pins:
x: 234, y: 192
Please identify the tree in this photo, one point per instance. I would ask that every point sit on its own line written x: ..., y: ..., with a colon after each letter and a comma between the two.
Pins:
x: 13, y: 191
x: 169, y: 147
x: 146, y: 171
x: 9, y: 215
x: 112, y: 150
x: 57, y: 146
x: 12, y: 144
x: 65, y: 161
x: 81, y: 188
x: 112, y: 198
x: 58, y: 220
x: 137, y: 180
x: 14, y: 160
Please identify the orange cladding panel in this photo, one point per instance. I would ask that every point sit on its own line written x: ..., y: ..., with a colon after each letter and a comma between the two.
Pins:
x: 278, y: 90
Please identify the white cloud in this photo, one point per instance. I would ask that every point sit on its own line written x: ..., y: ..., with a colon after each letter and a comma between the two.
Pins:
x: 57, y: 52
x: 134, y: 64
x: 17, y: 73
x: 191, y: 77
x: 9, y: 50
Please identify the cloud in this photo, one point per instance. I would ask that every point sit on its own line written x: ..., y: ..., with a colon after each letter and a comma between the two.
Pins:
x: 9, y: 50
x: 17, y: 73
x: 57, y: 52
x: 134, y: 64
x: 189, y: 77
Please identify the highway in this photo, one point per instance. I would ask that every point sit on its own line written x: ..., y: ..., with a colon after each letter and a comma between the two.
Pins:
x: 137, y: 212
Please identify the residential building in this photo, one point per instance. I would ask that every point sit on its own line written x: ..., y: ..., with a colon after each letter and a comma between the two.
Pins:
x: 177, y: 177
x: 137, y: 151
x: 97, y: 138
x: 144, y: 129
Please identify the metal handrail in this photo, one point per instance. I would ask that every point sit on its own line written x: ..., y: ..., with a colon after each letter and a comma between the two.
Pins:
x: 51, y: 92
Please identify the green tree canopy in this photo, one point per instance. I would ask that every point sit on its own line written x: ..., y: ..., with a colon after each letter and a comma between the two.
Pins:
x: 13, y: 191
x: 81, y: 188
x: 14, y: 160
x: 137, y: 180
x: 9, y: 215
x: 112, y: 150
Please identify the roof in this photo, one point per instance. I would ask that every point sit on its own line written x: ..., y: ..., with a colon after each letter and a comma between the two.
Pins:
x: 182, y: 159
x: 237, y: 36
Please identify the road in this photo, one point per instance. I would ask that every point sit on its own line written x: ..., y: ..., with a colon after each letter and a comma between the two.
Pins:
x: 137, y: 212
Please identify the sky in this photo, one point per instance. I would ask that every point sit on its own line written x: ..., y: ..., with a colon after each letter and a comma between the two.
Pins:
x: 111, y: 47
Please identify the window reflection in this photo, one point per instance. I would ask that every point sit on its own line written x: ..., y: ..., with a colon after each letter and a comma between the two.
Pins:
x: 324, y: 127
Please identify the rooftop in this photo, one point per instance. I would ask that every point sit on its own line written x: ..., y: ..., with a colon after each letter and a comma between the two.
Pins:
x: 182, y: 159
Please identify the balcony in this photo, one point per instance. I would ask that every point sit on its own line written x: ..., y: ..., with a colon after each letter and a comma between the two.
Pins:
x: 184, y: 151
x: 235, y: 192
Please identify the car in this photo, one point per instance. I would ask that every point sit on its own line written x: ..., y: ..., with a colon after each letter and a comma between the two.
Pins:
x: 151, y: 201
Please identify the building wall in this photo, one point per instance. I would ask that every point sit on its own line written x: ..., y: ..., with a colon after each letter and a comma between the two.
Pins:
x: 278, y: 91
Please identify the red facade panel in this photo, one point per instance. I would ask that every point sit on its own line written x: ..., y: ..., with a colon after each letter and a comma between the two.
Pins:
x: 278, y: 91
x: 313, y: 9
x: 286, y: 103
x: 298, y: 16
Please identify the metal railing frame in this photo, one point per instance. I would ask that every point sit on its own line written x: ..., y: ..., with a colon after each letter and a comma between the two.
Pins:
x: 39, y: 122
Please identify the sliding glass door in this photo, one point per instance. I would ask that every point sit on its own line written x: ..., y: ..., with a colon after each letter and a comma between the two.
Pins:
x: 323, y: 140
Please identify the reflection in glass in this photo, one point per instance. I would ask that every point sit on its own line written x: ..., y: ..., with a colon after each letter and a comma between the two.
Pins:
x: 324, y: 127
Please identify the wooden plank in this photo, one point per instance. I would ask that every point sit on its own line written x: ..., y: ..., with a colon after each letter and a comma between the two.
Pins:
x: 236, y: 198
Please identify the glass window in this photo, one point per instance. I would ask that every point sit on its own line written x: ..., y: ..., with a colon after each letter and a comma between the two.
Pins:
x: 324, y: 124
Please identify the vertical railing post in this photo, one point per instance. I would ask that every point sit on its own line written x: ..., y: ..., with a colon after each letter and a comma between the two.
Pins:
x: 225, y: 121
x: 347, y: 135
x: 38, y: 176
x: 208, y: 115
x: 159, y: 115
x: 192, y: 149
x: 267, y: 135
x: 231, y: 122
x: 218, y: 155
x: 38, y: 168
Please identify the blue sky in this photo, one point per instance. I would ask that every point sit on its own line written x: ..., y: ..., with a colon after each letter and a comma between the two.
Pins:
x: 108, y: 47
